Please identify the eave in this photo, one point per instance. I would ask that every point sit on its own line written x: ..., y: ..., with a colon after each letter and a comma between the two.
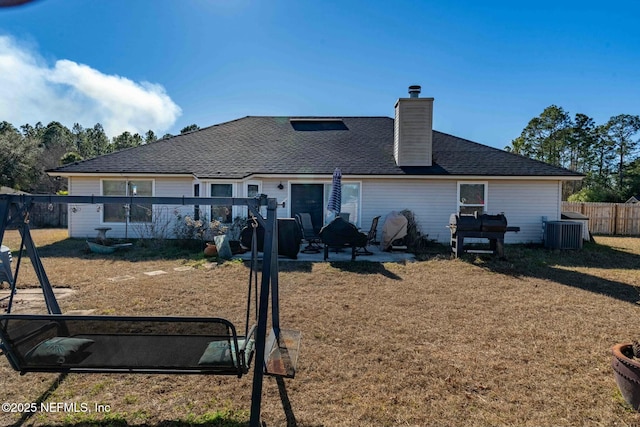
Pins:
x: 424, y: 177
x: 121, y: 174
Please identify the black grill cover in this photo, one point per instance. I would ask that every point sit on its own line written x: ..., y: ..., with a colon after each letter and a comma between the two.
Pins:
x: 484, y: 222
x: 465, y: 222
x: 494, y: 222
x: 341, y: 233
x: 289, y: 237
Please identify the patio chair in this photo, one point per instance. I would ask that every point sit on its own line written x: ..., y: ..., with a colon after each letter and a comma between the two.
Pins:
x: 371, y: 238
x: 309, y: 234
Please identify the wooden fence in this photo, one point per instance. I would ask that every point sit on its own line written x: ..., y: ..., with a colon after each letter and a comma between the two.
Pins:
x: 608, y: 218
x: 48, y: 215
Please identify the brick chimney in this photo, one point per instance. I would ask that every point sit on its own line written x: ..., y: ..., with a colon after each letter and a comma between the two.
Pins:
x: 413, y: 130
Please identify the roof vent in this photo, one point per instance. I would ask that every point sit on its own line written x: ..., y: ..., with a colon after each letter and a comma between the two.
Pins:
x: 414, y: 91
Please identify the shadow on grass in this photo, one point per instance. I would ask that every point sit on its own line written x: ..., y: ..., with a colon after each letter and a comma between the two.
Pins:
x: 145, y: 250
x: 114, y: 422
x: 43, y: 397
x: 222, y: 422
x: 561, y: 267
x: 347, y: 266
x: 140, y: 251
x: 300, y: 267
x: 365, y: 268
x: 216, y: 419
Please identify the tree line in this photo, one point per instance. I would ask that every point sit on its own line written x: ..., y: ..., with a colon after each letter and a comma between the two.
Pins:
x: 607, y: 154
x: 28, y: 152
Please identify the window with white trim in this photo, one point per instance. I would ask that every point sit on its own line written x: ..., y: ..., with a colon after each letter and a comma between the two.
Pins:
x: 117, y: 212
x: 224, y: 214
x: 350, y: 200
x: 472, y: 197
x: 253, y: 189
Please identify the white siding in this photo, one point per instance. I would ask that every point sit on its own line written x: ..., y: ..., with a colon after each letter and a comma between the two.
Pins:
x: 84, y: 218
x: 165, y: 215
x: 270, y: 188
x: 432, y: 202
x: 524, y: 203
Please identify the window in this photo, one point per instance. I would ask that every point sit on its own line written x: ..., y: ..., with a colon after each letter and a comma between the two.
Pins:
x: 222, y: 213
x: 472, y: 198
x: 253, y: 190
x: 116, y: 212
x: 350, y: 199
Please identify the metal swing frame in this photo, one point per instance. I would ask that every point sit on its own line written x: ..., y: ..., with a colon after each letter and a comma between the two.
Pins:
x: 281, y: 346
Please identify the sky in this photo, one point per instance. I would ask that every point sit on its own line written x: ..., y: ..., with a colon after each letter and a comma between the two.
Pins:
x: 138, y: 65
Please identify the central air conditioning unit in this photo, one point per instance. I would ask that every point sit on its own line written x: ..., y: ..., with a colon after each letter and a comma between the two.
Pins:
x: 563, y: 235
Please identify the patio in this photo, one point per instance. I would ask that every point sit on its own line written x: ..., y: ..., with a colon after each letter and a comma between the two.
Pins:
x: 343, y: 255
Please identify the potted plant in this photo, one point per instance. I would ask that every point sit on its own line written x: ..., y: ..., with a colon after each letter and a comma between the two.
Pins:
x: 210, y: 249
x: 626, y: 368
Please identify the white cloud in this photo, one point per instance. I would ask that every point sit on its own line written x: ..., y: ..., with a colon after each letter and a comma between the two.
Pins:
x: 31, y: 92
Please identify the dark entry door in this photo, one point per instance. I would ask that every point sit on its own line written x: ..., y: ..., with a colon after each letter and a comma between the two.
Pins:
x: 308, y: 198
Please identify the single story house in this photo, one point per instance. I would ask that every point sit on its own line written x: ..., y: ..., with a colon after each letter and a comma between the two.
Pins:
x: 387, y: 164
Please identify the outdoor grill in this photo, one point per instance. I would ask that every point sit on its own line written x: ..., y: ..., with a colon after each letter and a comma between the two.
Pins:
x: 491, y: 227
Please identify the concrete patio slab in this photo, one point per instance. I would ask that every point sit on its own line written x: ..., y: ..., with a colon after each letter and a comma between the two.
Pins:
x: 35, y: 294
x: 342, y: 256
x: 30, y: 299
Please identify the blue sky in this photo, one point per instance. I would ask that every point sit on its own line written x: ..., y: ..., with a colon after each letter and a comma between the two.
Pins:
x: 163, y: 64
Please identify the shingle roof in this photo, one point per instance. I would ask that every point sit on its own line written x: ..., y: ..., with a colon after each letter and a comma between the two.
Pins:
x: 271, y: 145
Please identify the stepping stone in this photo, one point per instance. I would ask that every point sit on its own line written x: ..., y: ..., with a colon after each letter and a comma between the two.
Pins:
x: 155, y: 273
x: 183, y: 268
x: 61, y: 292
x: 81, y: 312
x: 35, y: 294
x: 120, y: 278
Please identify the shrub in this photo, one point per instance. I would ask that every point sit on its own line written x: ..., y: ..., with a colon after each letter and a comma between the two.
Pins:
x: 190, y: 231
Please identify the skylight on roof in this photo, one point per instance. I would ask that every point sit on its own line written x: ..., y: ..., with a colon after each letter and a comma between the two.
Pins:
x: 319, y: 124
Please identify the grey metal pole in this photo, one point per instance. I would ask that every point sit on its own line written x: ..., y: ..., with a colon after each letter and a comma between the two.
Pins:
x: 270, y: 236
x: 47, y: 290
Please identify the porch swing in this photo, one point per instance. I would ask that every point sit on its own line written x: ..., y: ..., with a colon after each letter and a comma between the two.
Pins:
x: 151, y: 345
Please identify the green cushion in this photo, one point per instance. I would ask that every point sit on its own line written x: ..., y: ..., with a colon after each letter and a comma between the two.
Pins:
x: 219, y: 353
x: 57, y: 350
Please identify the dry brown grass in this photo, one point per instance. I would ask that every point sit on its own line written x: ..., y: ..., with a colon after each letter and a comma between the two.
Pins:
x: 474, y: 341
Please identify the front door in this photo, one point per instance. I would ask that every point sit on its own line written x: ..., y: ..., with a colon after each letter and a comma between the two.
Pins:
x: 308, y: 198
